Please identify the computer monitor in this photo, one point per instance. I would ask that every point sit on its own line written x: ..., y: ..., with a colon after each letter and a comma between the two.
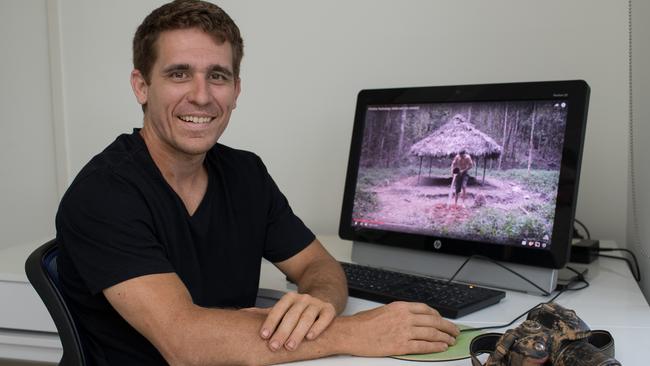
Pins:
x: 438, y: 174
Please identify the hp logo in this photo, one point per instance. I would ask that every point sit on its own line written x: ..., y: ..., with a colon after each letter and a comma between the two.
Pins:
x: 437, y: 244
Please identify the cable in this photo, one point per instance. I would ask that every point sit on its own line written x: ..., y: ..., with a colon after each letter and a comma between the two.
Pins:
x: 500, y: 326
x: 579, y: 277
x: 546, y: 293
x: 637, y: 273
x: 583, y: 227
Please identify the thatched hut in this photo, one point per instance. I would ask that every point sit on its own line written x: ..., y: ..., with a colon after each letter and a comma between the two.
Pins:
x: 453, y: 137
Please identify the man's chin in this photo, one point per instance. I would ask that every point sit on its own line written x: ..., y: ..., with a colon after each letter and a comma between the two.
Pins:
x: 196, y: 148
x: 196, y: 151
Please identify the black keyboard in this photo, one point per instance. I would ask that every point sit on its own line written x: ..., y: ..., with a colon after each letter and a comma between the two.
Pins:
x: 452, y: 300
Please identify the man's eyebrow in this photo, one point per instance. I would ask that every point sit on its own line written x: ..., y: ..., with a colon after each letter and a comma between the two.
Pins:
x: 222, y: 69
x: 185, y: 67
x: 176, y: 67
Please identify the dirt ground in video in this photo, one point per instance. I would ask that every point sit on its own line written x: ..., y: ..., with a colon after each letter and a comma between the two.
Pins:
x: 428, y: 203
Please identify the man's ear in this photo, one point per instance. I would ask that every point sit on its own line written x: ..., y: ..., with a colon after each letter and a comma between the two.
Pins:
x: 139, y: 86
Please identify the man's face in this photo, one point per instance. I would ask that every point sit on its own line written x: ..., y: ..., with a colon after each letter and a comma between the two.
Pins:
x: 191, y: 94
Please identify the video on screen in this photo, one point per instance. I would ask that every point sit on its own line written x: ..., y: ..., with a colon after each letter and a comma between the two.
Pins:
x: 485, y: 171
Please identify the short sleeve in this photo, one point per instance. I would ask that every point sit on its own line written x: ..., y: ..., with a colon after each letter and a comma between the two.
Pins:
x: 286, y: 234
x: 105, y: 227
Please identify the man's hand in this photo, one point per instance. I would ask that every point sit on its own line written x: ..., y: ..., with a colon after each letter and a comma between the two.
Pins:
x: 296, y: 317
x: 305, y: 315
x: 400, y: 328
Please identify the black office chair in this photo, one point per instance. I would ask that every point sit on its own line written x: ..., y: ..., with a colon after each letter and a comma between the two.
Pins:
x: 41, y: 272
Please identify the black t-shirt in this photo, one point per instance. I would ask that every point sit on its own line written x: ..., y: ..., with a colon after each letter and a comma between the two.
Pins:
x: 120, y: 219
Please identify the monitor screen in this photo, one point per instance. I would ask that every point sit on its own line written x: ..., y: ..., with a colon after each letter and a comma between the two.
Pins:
x: 474, y: 169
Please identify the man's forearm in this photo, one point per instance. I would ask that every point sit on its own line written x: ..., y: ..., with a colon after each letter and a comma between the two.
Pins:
x: 228, y: 337
x: 325, y: 280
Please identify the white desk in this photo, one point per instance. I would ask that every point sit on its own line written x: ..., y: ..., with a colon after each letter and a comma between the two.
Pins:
x: 613, y: 302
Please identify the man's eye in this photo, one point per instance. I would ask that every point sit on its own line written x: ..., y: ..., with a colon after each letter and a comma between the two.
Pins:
x: 218, y: 76
x: 178, y: 75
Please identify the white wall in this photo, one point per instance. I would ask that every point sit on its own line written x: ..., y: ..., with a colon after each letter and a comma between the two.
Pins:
x: 305, y: 62
x: 28, y: 200
x: 638, y: 237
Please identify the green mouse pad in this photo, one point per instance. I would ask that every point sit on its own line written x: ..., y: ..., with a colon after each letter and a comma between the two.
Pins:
x: 458, y: 351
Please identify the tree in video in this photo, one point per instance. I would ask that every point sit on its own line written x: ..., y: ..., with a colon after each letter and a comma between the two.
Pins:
x: 475, y: 171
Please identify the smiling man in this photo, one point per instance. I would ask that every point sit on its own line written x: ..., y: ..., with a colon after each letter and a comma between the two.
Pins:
x: 162, y: 233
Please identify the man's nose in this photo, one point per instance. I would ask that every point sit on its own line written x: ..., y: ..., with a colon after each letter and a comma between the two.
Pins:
x: 200, y: 93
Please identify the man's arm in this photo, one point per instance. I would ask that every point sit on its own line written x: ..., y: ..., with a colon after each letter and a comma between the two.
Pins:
x: 160, y: 308
x: 322, y: 294
x: 470, y: 163
x: 317, y: 273
x: 454, y: 161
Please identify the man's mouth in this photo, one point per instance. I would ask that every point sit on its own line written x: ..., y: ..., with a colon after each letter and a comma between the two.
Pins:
x: 195, y: 119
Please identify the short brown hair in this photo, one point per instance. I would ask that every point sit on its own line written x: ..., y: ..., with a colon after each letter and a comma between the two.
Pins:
x: 184, y: 14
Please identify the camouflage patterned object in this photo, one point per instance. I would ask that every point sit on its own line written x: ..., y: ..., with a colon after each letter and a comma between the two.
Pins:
x: 552, y: 335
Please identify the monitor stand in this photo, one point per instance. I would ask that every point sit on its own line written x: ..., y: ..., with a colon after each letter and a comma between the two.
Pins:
x: 476, y: 271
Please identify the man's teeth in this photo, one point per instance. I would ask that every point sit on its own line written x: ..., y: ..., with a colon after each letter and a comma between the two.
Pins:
x: 195, y: 119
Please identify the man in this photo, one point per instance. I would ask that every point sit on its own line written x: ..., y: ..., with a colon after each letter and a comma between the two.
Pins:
x: 463, y: 162
x: 163, y: 232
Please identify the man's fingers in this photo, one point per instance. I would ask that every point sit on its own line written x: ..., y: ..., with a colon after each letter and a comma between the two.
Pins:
x: 286, y: 326
x: 420, y: 308
x: 275, y: 316
x: 432, y: 335
x: 449, y: 327
x: 428, y: 316
x: 295, y: 317
x: 324, y: 319
x: 305, y: 322
x: 420, y: 347
x: 436, y: 322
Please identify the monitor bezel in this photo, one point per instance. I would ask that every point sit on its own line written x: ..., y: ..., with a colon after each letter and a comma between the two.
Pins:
x: 575, y: 92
